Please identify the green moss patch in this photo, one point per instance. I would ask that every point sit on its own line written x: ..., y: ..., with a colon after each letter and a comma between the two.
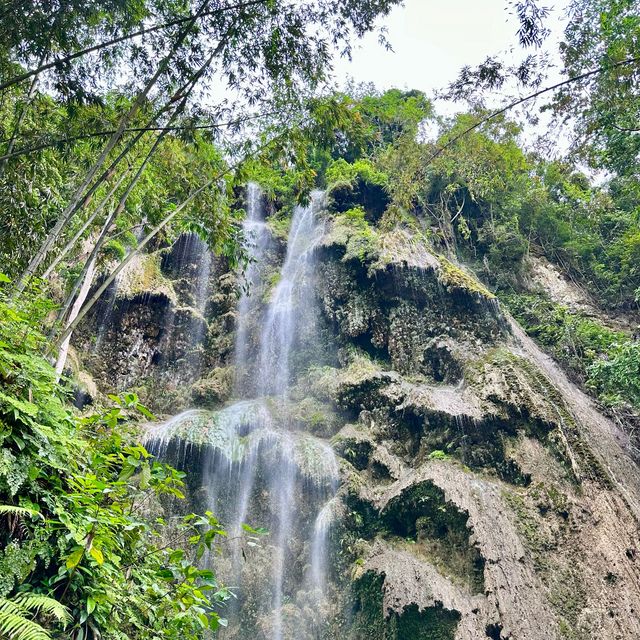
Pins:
x: 453, y: 277
x: 422, y: 517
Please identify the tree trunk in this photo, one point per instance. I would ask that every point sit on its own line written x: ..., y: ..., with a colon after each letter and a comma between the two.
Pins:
x: 170, y: 216
x: 84, y: 227
x: 77, y: 197
x: 123, y: 200
x: 90, y: 266
x: 82, y: 296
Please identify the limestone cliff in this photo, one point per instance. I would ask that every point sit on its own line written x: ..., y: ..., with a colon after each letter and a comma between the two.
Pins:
x: 481, y: 493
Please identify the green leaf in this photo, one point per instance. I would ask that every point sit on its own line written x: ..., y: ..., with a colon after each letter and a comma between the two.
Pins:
x: 145, y: 476
x: 96, y: 554
x: 6, y: 509
x: 36, y: 602
x: 22, y: 406
x: 75, y: 557
x: 145, y: 412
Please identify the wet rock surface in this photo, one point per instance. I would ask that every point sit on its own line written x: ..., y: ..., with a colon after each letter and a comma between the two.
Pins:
x: 166, y: 322
x: 481, y: 494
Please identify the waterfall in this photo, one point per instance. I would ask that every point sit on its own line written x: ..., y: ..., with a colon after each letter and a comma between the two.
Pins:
x: 202, y: 258
x: 319, y: 543
x: 291, y: 298
x: 257, y: 243
x: 259, y: 467
x: 105, y: 315
x: 192, y: 261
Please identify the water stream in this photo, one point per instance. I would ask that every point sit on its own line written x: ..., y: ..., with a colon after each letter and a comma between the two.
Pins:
x: 257, y: 243
x: 259, y: 466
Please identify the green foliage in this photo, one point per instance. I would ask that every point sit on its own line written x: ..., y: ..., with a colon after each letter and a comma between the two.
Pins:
x: 114, y: 250
x: 590, y: 232
x: 607, y: 361
x: 282, y: 186
x: 379, y: 120
x: 342, y: 171
x: 616, y: 374
x: 603, y: 34
x: 78, y: 530
x: 35, y: 188
x: 16, y: 616
x: 357, y: 185
x: 359, y: 239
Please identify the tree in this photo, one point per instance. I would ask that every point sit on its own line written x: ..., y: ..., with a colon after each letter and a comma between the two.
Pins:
x: 257, y: 48
x: 605, y: 107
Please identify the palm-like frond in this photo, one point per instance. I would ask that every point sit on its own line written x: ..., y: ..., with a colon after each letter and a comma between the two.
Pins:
x: 9, y: 509
x: 37, y: 603
x: 15, y: 623
x: 15, y: 626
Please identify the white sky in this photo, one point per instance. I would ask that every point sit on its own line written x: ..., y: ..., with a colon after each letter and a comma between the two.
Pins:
x: 433, y: 39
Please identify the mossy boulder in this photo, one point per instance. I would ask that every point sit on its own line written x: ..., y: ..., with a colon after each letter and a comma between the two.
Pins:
x: 214, y: 389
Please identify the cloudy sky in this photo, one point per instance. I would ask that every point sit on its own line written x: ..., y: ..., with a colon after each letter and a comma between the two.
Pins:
x: 433, y: 39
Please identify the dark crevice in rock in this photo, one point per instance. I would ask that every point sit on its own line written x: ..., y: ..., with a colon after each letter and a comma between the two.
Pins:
x: 494, y: 631
x: 371, y: 622
x: 373, y: 198
x: 357, y: 453
x: 421, y: 521
x: 438, y: 529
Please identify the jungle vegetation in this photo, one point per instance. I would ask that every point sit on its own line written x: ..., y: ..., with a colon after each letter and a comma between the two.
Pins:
x: 125, y: 122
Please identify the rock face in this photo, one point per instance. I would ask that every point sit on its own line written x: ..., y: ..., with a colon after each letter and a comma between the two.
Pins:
x: 482, y: 495
x: 165, y: 329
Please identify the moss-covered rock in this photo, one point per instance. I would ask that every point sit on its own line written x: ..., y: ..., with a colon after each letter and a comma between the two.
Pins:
x: 214, y: 389
x: 353, y: 236
x: 371, y: 621
x: 358, y: 185
x: 143, y: 276
x: 455, y: 278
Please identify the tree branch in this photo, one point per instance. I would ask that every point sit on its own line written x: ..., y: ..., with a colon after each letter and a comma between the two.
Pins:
x: 108, y: 132
x: 495, y: 114
x: 77, y: 197
x: 83, y: 52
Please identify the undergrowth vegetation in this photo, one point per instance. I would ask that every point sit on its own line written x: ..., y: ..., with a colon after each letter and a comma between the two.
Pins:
x: 85, y: 549
x: 605, y: 360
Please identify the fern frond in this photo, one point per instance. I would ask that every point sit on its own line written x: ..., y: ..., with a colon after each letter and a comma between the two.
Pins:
x: 37, y: 603
x: 9, y: 607
x: 14, y: 626
x: 17, y: 511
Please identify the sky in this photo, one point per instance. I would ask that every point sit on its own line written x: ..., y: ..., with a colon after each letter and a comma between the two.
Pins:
x: 433, y: 39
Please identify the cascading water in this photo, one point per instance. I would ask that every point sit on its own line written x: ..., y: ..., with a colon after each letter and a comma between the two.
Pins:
x: 201, y: 256
x: 257, y: 243
x: 193, y: 262
x: 259, y: 467
x: 289, y: 300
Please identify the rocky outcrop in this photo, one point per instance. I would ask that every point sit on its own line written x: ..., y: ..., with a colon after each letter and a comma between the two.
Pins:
x: 486, y: 497
x: 482, y: 495
x: 162, y: 327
